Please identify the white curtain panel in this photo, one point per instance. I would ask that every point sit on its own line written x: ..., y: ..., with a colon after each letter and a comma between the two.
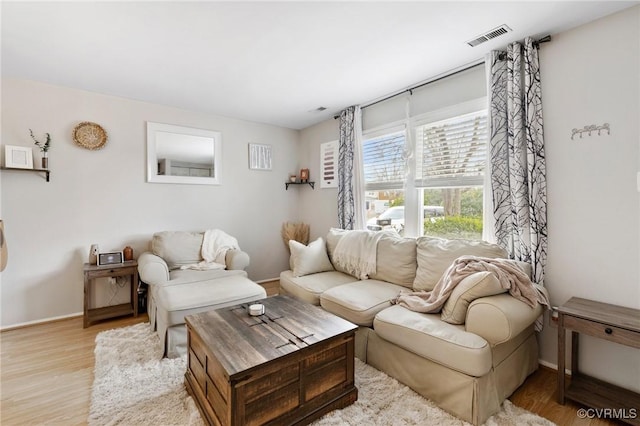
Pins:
x: 518, y: 170
x: 350, y: 170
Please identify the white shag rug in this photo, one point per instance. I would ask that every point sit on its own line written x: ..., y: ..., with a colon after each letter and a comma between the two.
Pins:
x: 134, y: 386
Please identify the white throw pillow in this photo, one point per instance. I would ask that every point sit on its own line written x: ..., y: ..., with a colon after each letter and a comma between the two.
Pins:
x: 309, y: 259
x: 435, y: 255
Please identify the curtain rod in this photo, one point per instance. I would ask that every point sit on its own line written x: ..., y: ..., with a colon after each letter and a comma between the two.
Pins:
x: 536, y: 43
x: 411, y: 89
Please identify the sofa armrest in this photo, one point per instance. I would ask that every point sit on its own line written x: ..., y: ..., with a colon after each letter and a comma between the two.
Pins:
x: 236, y: 260
x: 500, y: 318
x: 152, y: 269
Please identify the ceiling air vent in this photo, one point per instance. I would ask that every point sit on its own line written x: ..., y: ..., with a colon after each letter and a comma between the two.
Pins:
x: 496, y: 32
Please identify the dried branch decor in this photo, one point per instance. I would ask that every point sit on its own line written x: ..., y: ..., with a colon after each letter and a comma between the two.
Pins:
x: 297, y: 231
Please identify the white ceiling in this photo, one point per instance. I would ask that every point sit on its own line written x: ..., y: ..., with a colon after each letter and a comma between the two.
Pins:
x: 270, y: 62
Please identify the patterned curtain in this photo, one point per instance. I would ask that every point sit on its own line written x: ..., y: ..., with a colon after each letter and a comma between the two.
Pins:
x: 518, y: 170
x: 350, y: 179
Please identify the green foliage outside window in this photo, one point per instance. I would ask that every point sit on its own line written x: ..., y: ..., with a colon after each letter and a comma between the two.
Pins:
x: 466, y: 220
x: 454, y: 227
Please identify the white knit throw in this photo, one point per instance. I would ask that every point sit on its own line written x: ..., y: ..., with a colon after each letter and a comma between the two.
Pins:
x: 215, y: 245
x: 356, y: 252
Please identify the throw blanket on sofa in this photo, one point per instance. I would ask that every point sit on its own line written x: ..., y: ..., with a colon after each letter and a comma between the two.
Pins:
x: 215, y: 245
x: 510, y: 276
x: 356, y: 252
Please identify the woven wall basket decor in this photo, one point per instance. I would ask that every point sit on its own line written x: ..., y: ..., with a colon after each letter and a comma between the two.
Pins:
x: 89, y: 135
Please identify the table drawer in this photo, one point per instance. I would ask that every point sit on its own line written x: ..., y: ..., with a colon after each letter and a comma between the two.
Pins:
x: 112, y: 272
x: 602, y: 331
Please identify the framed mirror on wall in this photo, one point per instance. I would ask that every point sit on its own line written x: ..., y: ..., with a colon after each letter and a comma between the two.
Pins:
x: 177, y: 154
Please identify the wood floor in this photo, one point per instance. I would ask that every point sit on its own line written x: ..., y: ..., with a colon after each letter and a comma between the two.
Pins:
x: 46, y: 372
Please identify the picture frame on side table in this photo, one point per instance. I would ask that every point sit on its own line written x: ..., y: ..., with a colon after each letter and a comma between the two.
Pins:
x: 110, y: 258
x: 18, y: 157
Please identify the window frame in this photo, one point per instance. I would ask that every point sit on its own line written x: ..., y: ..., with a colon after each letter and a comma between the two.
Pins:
x: 383, y: 131
x: 413, y: 195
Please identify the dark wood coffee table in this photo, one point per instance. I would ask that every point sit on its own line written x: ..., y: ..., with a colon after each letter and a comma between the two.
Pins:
x: 291, y: 365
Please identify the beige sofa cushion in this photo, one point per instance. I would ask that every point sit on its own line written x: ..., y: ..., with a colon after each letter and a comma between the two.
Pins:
x: 177, y: 301
x: 310, y: 287
x: 435, y: 255
x: 178, y: 248
x: 395, y: 258
x: 396, y: 261
x: 186, y: 276
x: 309, y: 259
x: 431, y: 338
x: 480, y: 284
x: 359, y: 302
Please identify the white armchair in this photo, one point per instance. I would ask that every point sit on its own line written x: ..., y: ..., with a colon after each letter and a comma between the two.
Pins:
x: 175, y: 293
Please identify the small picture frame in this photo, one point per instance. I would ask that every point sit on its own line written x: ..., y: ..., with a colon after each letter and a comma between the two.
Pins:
x: 259, y: 156
x: 18, y: 157
x: 304, y: 175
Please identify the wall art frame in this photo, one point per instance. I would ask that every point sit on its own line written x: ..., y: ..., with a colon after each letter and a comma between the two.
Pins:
x: 260, y: 156
x: 329, y: 164
x: 18, y: 157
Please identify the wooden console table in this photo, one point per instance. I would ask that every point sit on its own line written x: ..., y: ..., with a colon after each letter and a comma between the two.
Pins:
x: 610, y: 322
x: 91, y: 272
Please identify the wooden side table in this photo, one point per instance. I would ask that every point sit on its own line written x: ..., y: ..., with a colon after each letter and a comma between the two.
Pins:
x: 609, y: 322
x: 91, y: 272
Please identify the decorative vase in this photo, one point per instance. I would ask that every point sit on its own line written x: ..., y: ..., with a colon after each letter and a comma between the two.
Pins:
x: 93, y: 254
x: 128, y: 253
x: 45, y: 160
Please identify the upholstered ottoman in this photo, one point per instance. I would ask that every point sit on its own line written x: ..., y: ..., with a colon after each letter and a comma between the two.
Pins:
x: 175, y: 292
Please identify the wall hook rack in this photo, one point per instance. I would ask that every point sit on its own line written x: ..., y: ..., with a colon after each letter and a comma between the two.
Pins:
x: 591, y: 128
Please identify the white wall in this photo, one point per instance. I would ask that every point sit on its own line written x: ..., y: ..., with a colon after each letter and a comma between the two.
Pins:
x: 319, y: 207
x: 591, y: 75
x: 102, y: 196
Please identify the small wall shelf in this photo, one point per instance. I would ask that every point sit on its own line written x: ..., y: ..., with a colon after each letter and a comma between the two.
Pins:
x: 45, y: 171
x: 311, y: 184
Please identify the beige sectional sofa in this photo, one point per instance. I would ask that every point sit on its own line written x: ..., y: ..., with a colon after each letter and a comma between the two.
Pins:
x: 467, y: 359
x: 175, y: 293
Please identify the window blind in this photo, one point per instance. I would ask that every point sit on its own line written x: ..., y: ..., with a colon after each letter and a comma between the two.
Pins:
x: 384, y: 161
x: 452, y: 152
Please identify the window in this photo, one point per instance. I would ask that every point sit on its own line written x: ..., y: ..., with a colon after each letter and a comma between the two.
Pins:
x: 452, y: 152
x: 438, y: 174
x: 384, y: 176
x: 383, y: 161
x: 450, y: 163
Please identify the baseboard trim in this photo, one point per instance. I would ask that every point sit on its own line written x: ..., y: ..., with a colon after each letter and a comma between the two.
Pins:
x: 547, y: 364
x: 268, y: 280
x: 552, y: 366
x: 41, y: 321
